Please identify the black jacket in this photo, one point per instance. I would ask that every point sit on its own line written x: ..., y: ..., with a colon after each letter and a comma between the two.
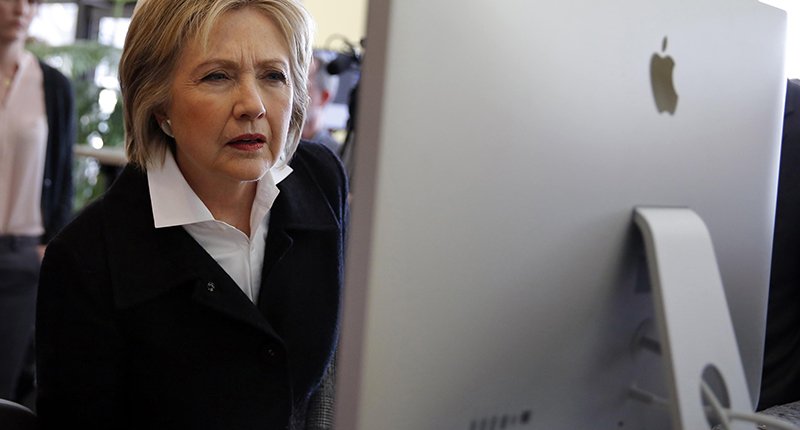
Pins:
x: 140, y: 328
x: 57, y: 187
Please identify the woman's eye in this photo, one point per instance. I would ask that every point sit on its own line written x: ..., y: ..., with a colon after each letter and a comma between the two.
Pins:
x: 275, y: 76
x: 216, y: 76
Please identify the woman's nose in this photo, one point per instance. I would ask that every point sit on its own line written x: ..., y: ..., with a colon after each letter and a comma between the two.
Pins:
x: 250, y: 104
x: 21, y: 6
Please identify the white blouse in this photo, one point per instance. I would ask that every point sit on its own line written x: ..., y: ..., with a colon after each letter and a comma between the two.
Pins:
x: 175, y: 203
x: 23, y: 147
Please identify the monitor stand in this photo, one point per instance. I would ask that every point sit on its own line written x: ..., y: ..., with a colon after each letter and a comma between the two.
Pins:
x: 695, y: 331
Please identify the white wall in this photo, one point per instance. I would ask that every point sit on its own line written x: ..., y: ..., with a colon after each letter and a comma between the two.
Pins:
x: 338, y: 17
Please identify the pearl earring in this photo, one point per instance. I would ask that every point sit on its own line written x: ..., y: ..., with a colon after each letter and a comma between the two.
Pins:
x: 166, y: 127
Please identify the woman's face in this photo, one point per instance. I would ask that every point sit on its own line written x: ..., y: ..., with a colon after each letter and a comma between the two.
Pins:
x: 230, y: 105
x: 15, y: 17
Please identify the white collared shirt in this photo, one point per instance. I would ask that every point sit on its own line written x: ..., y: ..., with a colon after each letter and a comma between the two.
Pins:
x: 176, y: 204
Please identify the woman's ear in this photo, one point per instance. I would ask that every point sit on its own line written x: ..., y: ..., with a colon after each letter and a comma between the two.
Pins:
x: 159, y: 117
x: 165, y: 124
x: 166, y: 127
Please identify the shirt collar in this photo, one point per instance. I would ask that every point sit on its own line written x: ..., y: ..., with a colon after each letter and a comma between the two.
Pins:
x: 175, y: 203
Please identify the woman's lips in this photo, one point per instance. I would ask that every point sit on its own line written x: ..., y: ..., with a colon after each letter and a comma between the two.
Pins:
x: 248, y: 142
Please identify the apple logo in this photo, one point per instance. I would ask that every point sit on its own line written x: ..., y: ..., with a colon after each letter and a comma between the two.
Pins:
x: 661, y: 69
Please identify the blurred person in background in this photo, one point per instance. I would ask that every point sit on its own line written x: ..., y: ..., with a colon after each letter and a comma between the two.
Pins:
x: 202, y: 290
x: 37, y: 133
x: 322, y: 88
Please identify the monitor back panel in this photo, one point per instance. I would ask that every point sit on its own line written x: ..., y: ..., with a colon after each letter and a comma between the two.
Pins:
x: 493, y: 273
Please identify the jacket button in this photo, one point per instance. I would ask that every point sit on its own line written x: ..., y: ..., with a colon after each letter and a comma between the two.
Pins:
x: 211, y: 287
x: 270, y: 351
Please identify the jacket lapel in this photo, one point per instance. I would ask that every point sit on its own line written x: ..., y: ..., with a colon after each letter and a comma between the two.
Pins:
x: 147, y: 262
x: 213, y: 287
x: 300, y: 287
x: 294, y: 214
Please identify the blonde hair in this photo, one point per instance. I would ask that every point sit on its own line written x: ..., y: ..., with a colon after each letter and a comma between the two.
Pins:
x: 158, y: 32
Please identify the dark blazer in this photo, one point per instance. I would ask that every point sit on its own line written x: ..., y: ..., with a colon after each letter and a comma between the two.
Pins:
x: 140, y: 328
x: 57, y: 187
x: 780, y: 382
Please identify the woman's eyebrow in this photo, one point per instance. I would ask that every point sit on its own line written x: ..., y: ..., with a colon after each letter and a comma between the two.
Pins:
x: 226, y: 63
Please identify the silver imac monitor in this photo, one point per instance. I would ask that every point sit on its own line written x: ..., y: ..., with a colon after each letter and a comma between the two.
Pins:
x: 495, y: 279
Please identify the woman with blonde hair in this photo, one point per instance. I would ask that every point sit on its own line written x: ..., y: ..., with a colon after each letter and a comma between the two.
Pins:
x: 202, y: 290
